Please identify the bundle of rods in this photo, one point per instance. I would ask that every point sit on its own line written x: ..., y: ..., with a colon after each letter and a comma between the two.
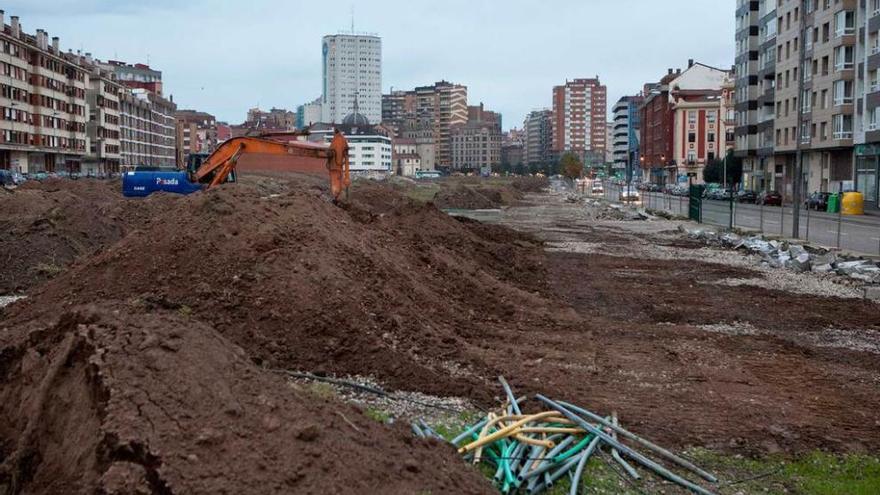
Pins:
x: 530, y: 452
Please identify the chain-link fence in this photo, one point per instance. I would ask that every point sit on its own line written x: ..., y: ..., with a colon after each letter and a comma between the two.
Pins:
x: 853, y: 233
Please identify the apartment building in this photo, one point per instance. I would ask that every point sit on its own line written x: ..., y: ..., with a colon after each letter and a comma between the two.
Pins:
x: 538, y: 137
x: 444, y: 103
x: 352, y: 70
x: 103, y: 98
x: 148, y: 130
x: 867, y: 136
x: 625, y: 134
x: 421, y: 131
x: 308, y: 114
x: 405, y: 157
x: 754, y: 90
x: 579, y: 112
x: 476, y: 144
x: 42, y: 103
x: 196, y: 133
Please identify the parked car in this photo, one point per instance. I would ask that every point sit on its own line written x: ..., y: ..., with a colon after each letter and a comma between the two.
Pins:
x: 771, y: 198
x: 746, y: 196
x: 6, y: 179
x: 41, y: 176
x: 597, y: 188
x: 631, y: 194
x: 817, y: 201
x: 18, y: 178
x: 720, y: 194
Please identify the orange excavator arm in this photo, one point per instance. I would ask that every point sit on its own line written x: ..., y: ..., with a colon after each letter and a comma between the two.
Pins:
x: 217, y: 167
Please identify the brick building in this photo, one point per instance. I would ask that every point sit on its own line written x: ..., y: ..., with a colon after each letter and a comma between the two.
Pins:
x: 579, y: 113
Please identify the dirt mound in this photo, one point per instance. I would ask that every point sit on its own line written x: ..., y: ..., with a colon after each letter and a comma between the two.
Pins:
x: 468, y: 198
x: 388, y: 287
x: 103, y: 401
x: 45, y: 226
x: 530, y: 184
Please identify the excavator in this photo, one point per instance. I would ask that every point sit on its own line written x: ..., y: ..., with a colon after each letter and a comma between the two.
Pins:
x: 267, y: 152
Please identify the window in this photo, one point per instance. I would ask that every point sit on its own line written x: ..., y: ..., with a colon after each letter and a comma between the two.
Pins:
x: 711, y: 137
x: 844, y: 23
x: 843, y: 92
x: 692, y: 137
x: 710, y: 116
x: 842, y: 126
x: 844, y: 58
x: 692, y: 117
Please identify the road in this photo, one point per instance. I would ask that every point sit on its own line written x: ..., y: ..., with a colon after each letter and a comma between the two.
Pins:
x: 853, y: 233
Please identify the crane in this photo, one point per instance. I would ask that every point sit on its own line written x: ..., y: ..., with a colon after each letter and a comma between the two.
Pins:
x: 220, y: 166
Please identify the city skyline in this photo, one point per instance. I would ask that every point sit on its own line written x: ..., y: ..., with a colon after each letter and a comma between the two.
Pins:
x: 227, y: 75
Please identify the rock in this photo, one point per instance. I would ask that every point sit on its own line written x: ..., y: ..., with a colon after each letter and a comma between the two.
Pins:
x: 872, y: 293
x: 801, y: 263
x: 826, y: 268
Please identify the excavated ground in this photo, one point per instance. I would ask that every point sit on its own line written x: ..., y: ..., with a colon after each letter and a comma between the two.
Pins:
x: 167, y: 327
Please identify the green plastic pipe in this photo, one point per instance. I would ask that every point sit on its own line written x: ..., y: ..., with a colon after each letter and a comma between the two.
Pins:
x: 648, y: 463
x: 574, y: 450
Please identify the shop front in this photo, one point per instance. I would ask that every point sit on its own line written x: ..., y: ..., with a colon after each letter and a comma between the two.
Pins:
x: 867, y: 173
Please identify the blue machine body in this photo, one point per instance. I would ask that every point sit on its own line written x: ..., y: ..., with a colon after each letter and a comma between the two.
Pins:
x: 142, y: 183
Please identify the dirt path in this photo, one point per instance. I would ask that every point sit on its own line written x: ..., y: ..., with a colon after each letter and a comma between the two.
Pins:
x: 694, y: 352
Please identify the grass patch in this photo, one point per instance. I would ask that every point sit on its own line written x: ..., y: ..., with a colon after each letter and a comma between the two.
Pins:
x: 377, y: 415
x: 48, y: 269
x: 321, y: 389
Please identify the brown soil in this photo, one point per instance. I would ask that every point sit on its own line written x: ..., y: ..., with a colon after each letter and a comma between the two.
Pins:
x: 45, y: 226
x: 392, y: 288
x: 471, y: 193
x: 468, y: 198
x: 157, y: 402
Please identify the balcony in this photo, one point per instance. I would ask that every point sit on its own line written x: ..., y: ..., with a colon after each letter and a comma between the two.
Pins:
x: 843, y: 135
x: 872, y: 126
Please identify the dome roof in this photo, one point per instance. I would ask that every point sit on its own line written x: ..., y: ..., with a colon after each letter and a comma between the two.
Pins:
x: 357, y: 119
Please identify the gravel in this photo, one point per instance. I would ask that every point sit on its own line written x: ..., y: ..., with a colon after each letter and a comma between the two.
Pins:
x: 397, y: 405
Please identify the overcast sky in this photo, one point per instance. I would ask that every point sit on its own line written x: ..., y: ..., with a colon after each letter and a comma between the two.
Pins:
x: 224, y: 57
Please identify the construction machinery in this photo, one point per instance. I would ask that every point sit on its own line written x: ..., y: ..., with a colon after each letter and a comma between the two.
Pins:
x: 268, y: 153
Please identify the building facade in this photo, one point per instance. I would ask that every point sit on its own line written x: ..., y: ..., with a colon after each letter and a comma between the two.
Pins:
x: 867, y: 137
x: 135, y: 76
x: 405, y: 157
x: 352, y: 70
x: 43, y: 102
x: 103, y: 127
x: 370, y: 149
x: 579, y: 112
x: 625, y: 135
x: 754, y: 90
x: 538, y: 138
x: 196, y: 133
x: 444, y: 104
x: 148, y: 130
x: 308, y: 114
x: 476, y: 144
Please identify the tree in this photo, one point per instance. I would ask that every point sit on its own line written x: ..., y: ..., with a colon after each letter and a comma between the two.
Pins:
x: 570, y: 166
x: 714, y: 170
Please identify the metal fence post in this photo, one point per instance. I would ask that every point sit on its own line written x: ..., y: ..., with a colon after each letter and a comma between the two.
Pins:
x: 782, y: 218
x: 808, y: 223
x: 761, y: 213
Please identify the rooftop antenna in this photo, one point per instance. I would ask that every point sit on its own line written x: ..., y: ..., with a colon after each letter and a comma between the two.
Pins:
x: 352, y: 19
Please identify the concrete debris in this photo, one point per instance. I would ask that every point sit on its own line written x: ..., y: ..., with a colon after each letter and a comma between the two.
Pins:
x: 783, y: 254
x: 614, y: 211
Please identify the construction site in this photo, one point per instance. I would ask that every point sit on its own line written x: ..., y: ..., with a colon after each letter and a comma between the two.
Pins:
x: 261, y: 337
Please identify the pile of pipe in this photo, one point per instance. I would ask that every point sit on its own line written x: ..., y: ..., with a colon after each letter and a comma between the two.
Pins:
x: 532, y: 451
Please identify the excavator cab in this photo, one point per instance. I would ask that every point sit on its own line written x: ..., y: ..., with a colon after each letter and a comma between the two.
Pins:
x: 194, y: 162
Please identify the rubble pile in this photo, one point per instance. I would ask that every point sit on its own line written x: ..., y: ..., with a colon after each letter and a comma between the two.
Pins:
x: 784, y: 254
x: 603, y: 210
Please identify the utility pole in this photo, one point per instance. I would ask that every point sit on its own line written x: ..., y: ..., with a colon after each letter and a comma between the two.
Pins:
x: 797, y: 181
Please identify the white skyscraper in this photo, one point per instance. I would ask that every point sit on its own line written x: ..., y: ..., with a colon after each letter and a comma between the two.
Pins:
x: 352, y: 68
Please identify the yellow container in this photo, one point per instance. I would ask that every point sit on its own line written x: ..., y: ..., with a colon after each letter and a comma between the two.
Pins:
x: 853, y: 204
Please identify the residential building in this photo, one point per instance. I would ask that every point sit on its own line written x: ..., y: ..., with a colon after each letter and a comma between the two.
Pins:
x: 196, y: 133
x: 275, y: 120
x: 135, y: 76
x: 308, y: 114
x: 444, y: 104
x: 352, y: 70
x: 867, y: 138
x: 405, y: 156
x: 148, y: 130
x: 43, y: 103
x: 817, y: 118
x: 370, y: 150
x: 688, y: 129
x: 103, y: 96
x: 421, y: 130
x: 538, y: 138
x: 512, y: 148
x: 476, y: 144
x: 625, y: 135
x: 656, y: 143
x: 579, y: 113
x: 754, y: 90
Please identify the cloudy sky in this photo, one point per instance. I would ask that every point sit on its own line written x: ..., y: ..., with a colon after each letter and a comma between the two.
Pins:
x: 224, y: 56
